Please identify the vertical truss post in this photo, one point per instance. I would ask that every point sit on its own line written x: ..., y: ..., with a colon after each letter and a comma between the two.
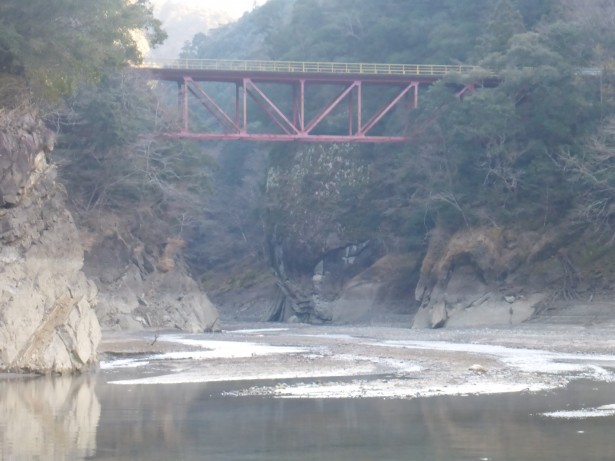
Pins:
x: 299, y: 105
x: 184, y: 105
x: 302, y: 108
x: 359, y: 105
x: 295, y: 106
x: 350, y: 113
x: 244, y: 127
x: 180, y: 100
x: 237, y: 106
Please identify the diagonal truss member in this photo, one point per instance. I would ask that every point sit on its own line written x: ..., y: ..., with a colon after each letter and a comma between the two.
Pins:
x: 295, y: 126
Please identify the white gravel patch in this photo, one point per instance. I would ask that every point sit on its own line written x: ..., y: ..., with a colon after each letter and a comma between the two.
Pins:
x: 256, y: 331
x: 393, y: 389
x: 211, y: 350
x: 123, y: 363
x: 209, y: 376
x: 227, y: 349
x: 526, y: 360
x: 604, y: 411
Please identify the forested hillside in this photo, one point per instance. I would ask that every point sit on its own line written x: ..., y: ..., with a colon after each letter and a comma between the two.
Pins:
x: 55, y: 46
x: 504, y: 187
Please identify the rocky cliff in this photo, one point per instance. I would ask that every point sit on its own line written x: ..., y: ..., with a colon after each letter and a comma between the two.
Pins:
x: 492, y: 275
x: 484, y: 276
x: 47, y: 319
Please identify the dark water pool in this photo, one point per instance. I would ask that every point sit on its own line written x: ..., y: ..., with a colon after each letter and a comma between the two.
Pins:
x: 86, y: 418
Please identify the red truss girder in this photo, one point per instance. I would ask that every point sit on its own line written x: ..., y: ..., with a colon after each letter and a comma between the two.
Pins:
x: 294, y: 126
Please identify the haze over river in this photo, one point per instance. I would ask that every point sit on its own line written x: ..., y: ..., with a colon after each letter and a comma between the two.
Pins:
x: 309, y: 393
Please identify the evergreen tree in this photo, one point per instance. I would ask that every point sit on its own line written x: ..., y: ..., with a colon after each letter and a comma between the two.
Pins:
x: 504, y: 21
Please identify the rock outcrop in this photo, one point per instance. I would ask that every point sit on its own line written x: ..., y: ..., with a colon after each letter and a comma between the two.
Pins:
x: 488, y: 276
x: 146, y: 287
x: 47, y: 321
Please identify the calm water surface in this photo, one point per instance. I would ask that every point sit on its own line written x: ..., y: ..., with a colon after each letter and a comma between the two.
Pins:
x: 86, y: 418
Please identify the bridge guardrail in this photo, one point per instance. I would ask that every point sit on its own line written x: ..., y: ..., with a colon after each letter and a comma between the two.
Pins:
x: 310, y: 67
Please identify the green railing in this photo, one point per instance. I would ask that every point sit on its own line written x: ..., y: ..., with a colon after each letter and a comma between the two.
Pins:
x: 310, y: 67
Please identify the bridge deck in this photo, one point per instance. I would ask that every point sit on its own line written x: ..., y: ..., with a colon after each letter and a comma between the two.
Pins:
x: 234, y: 70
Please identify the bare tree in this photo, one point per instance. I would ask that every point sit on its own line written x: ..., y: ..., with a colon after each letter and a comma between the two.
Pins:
x: 592, y: 169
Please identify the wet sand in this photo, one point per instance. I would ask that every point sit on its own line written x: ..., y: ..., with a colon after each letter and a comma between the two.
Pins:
x: 302, y: 361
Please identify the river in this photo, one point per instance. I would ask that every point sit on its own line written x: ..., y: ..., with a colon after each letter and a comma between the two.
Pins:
x: 87, y: 418
x: 305, y: 393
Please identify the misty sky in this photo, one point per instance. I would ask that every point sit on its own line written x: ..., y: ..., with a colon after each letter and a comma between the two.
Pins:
x: 182, y: 19
x: 234, y: 8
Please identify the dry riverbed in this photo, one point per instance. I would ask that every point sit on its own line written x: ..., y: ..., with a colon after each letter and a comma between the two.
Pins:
x: 300, y: 361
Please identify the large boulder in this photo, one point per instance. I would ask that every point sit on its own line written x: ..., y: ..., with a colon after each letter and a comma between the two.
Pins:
x: 47, y: 321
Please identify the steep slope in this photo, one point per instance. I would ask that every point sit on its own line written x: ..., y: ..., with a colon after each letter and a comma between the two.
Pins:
x: 136, y: 199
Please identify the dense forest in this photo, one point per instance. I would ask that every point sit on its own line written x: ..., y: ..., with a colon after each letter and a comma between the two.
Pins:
x: 509, y: 153
x: 530, y: 156
x: 56, y: 46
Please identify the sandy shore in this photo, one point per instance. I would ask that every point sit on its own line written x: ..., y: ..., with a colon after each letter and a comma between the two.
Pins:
x: 300, y: 361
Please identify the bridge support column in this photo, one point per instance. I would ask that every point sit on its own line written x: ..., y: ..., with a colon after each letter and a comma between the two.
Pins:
x: 299, y: 105
x: 183, y: 105
x: 238, y: 106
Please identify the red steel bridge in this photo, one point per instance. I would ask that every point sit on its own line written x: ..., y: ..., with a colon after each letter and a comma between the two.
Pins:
x: 365, y: 92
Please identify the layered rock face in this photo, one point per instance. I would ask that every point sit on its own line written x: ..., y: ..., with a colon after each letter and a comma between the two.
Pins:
x: 47, y: 321
x: 487, y: 276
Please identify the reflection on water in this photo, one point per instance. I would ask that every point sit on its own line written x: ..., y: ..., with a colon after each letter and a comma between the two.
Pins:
x: 62, y: 419
x: 48, y: 418
x: 191, y: 422
x: 513, y: 427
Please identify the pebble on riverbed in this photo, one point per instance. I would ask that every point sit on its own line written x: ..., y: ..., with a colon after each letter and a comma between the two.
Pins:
x: 477, y: 368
